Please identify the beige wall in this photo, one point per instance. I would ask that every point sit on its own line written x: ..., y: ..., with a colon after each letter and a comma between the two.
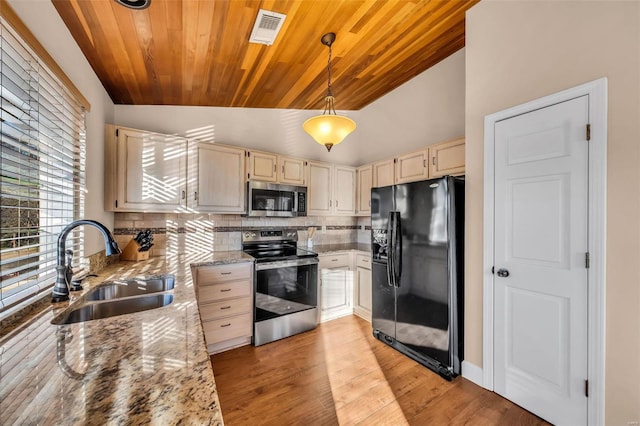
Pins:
x: 425, y: 110
x: 519, y: 51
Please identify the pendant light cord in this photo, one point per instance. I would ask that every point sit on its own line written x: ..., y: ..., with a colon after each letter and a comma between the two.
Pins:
x: 328, y: 104
x: 329, y: 91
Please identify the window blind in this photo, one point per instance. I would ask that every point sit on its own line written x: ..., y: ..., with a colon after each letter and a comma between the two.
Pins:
x: 42, y: 142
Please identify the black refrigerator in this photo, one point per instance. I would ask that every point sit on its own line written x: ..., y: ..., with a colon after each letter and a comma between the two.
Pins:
x: 417, y: 236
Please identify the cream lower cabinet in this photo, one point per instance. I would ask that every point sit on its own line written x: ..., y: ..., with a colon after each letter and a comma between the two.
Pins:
x: 225, y: 301
x: 362, y: 288
x: 336, y: 286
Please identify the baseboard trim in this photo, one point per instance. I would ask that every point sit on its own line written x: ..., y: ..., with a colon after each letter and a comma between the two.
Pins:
x: 472, y: 372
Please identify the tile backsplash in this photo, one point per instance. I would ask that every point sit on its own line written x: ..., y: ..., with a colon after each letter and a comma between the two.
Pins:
x: 178, y: 233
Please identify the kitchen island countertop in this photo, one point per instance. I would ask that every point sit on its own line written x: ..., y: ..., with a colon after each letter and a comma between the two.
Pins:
x: 147, y: 367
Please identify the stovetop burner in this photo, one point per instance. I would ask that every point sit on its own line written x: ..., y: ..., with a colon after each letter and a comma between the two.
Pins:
x: 273, y: 245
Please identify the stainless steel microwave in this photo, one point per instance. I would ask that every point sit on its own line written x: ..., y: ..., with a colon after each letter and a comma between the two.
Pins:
x: 276, y: 200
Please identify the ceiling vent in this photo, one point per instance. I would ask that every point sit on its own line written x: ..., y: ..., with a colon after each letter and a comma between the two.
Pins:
x: 266, y: 28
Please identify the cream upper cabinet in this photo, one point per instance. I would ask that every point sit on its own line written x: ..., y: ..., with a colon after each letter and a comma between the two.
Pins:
x: 262, y: 166
x: 365, y: 182
x: 144, y: 171
x: 217, y: 179
x: 268, y: 167
x: 412, y: 167
x: 291, y: 170
x: 331, y: 189
x: 319, y: 186
x: 447, y: 158
x: 384, y: 173
x: 344, y: 190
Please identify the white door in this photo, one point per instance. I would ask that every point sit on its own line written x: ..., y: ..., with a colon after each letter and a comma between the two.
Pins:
x: 541, y: 187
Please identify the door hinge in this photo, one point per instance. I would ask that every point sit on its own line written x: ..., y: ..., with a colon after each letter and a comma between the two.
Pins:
x: 587, y: 260
x: 588, y: 132
x: 586, y: 388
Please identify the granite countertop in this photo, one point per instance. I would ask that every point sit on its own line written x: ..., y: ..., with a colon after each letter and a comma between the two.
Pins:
x: 147, y: 367
x: 334, y: 248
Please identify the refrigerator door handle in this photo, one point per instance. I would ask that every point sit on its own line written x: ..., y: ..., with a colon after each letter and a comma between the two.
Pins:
x: 390, y: 271
x: 397, y: 250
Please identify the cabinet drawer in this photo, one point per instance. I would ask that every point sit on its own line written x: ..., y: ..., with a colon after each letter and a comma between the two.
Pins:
x: 335, y: 260
x: 215, y: 274
x: 215, y: 292
x: 227, y: 328
x: 209, y: 311
x: 363, y: 261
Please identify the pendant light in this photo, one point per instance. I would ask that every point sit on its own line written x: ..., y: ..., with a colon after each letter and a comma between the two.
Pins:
x: 329, y: 129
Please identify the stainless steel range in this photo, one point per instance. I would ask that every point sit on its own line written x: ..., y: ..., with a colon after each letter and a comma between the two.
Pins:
x: 286, y: 284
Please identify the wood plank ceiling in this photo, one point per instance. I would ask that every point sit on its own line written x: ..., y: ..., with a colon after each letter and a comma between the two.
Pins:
x: 196, y: 52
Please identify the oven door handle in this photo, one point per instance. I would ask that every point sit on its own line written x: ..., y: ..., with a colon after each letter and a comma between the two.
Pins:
x: 286, y: 263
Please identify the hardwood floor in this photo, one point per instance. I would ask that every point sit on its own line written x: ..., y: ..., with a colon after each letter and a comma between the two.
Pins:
x: 339, y: 374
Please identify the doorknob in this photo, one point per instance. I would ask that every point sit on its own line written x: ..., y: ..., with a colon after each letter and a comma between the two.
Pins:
x: 503, y: 273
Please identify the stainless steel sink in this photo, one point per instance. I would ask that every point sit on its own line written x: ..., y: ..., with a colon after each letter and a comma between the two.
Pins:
x: 113, y: 308
x: 133, y: 287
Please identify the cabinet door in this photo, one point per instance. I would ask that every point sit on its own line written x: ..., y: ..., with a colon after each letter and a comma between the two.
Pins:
x: 412, y: 167
x: 319, y: 189
x: 365, y: 181
x: 151, y: 171
x: 384, y: 173
x: 335, y: 292
x: 291, y: 170
x: 362, y: 294
x: 344, y: 190
x: 447, y: 158
x: 262, y: 166
x: 217, y: 178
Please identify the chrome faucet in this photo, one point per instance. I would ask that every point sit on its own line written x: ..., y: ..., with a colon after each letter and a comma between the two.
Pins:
x: 63, y: 271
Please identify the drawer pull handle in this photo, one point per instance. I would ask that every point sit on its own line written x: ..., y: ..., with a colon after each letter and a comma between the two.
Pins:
x: 225, y: 273
x: 365, y: 260
x: 334, y: 260
x: 225, y: 307
x: 224, y: 290
x: 225, y: 325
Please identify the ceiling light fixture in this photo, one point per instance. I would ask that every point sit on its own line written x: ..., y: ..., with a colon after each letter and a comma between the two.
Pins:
x: 329, y: 129
x: 135, y: 4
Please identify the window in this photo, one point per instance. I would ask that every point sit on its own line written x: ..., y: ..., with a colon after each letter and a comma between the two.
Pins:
x: 42, y: 183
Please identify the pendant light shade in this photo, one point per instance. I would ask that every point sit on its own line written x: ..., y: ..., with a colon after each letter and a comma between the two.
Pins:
x: 329, y: 128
